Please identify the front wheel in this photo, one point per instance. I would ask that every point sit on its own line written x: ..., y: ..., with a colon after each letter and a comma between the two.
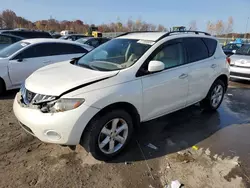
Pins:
x: 108, y: 134
x: 215, y: 96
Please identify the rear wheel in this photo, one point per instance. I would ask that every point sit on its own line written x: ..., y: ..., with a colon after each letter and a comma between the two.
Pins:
x: 215, y: 96
x: 108, y: 134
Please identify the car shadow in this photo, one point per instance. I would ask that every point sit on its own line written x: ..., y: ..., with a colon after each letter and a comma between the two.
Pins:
x: 182, y: 129
x: 9, y: 94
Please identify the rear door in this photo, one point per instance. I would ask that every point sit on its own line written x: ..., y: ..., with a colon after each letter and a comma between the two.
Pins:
x: 203, y: 66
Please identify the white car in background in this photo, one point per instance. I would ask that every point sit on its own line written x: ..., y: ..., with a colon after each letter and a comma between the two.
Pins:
x: 240, y: 63
x: 99, y: 99
x: 21, y: 59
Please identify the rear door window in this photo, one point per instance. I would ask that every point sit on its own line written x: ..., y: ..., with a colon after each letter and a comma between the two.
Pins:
x: 211, y: 45
x: 196, y: 49
x: 61, y: 49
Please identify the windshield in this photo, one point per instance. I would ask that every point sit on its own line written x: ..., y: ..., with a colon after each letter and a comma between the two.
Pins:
x: 8, y: 51
x: 244, y: 50
x: 115, y: 55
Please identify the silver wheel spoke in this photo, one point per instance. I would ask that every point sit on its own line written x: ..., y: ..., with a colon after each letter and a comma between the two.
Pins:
x: 114, y: 124
x: 218, y: 89
x: 121, y: 128
x: 106, y: 131
x: 120, y: 139
x: 105, y: 142
x: 112, y: 145
x: 113, y: 136
x: 213, y: 97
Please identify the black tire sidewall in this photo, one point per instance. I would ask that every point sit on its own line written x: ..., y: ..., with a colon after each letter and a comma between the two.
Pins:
x: 2, y: 88
x: 97, y: 126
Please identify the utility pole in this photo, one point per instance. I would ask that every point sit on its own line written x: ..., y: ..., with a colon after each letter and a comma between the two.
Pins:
x: 246, y: 36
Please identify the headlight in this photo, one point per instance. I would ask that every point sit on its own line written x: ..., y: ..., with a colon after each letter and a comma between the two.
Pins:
x: 66, y: 104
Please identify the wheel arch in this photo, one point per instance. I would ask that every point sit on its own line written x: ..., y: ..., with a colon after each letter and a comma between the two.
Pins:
x: 128, y: 107
x: 224, y: 79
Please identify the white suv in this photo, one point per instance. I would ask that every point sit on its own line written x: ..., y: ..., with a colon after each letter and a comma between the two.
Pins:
x: 99, y: 99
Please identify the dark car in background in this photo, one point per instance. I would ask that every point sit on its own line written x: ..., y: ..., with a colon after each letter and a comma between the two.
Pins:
x: 27, y: 34
x: 93, y: 41
x: 7, y: 39
x: 230, y: 49
x: 73, y: 37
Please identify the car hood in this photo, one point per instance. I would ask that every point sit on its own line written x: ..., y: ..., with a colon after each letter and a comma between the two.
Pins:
x: 240, y: 60
x: 61, y: 77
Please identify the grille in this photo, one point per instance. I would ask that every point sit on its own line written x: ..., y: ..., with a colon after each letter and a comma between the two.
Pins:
x: 34, y: 98
x: 240, y: 74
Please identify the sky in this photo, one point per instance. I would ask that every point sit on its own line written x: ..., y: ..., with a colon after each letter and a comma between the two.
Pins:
x: 166, y: 12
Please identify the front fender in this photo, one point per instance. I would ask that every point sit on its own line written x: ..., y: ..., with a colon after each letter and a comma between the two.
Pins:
x: 129, y: 92
x: 4, y: 74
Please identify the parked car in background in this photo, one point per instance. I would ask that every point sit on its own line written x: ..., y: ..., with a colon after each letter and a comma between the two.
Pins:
x: 66, y: 32
x: 27, y: 34
x: 240, y: 63
x: 230, y: 49
x: 98, y: 100
x: 22, y: 58
x: 56, y: 35
x: 8, y: 39
x: 73, y: 37
x: 93, y: 41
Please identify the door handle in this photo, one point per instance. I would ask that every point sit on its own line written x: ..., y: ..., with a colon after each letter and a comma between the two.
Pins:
x: 182, y: 76
x: 213, y: 66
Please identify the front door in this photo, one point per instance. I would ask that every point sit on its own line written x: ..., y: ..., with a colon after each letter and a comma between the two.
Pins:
x: 166, y: 91
x: 24, y: 64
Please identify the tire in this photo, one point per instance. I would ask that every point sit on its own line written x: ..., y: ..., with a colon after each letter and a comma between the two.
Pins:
x: 2, y: 87
x: 95, y: 137
x: 210, y: 104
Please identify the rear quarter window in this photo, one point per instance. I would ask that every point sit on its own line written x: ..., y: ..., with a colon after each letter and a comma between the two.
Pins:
x: 196, y: 49
x: 211, y: 45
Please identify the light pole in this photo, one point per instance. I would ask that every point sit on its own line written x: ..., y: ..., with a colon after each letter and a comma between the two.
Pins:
x: 247, y: 28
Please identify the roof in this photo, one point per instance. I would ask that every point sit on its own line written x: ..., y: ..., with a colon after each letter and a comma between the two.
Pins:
x: 144, y: 35
x: 154, y: 36
x: 47, y: 40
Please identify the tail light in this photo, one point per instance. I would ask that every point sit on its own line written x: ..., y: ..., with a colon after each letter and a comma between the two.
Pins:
x: 228, y: 60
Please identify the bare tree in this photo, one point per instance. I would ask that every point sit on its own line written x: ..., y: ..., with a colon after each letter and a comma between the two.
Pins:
x: 210, y: 28
x: 219, y: 27
x: 161, y: 28
x: 230, y: 23
x: 193, y: 25
x: 9, y: 18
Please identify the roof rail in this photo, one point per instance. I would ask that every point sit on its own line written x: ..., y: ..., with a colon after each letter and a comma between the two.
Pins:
x: 166, y: 34
x: 189, y: 31
x: 126, y: 33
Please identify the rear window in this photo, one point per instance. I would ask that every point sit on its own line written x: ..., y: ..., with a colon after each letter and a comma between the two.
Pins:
x: 211, y: 45
x: 196, y: 49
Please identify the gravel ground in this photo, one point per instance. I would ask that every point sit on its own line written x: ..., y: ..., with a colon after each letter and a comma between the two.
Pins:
x: 27, y: 162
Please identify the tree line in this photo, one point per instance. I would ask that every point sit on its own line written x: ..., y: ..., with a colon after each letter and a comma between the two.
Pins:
x: 9, y: 20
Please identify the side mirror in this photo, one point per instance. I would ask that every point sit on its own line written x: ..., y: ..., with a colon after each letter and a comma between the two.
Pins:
x: 155, y: 66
